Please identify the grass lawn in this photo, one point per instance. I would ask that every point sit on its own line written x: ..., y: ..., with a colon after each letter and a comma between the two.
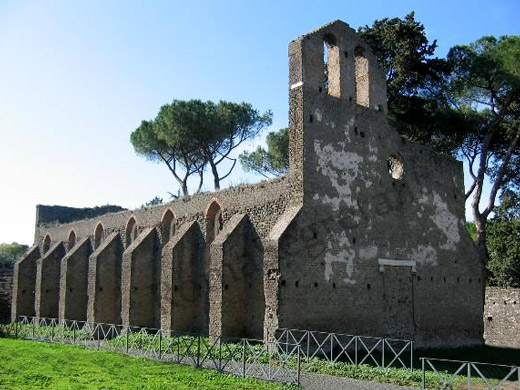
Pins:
x: 31, y: 365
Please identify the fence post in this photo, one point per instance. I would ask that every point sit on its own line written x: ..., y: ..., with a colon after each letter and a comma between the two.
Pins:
x: 244, y: 356
x: 518, y: 377
x: 127, y: 336
x: 469, y: 376
x: 74, y: 333
x: 160, y: 345
x: 423, y: 379
x: 298, y: 367
x: 16, y: 329
x: 383, y: 354
x: 355, y: 351
x: 198, y: 351
x: 411, y: 355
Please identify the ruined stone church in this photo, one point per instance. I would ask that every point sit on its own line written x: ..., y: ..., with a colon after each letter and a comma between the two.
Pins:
x: 365, y: 234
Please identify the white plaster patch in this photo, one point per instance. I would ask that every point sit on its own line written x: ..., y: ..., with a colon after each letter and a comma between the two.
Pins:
x: 368, y: 252
x: 425, y: 254
x: 372, y: 157
x: 445, y: 221
x: 345, y: 255
x: 318, y: 114
x: 342, y: 168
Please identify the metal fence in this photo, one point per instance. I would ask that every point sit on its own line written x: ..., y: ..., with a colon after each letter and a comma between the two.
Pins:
x: 355, y: 350
x: 277, y: 361
x: 443, y: 374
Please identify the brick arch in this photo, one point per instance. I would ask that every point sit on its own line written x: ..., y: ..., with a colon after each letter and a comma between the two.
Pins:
x: 212, y: 208
x: 72, y: 239
x: 168, y: 225
x: 98, y: 235
x: 46, y: 243
x: 214, y: 218
x: 130, y: 230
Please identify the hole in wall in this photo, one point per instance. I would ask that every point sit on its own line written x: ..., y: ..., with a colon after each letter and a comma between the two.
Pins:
x: 355, y: 130
x: 362, y: 134
x: 297, y: 283
x: 175, y: 288
x: 431, y: 279
x: 315, y: 284
x: 350, y: 98
x: 320, y: 89
x: 315, y: 235
x: 283, y: 282
x: 444, y: 279
x: 70, y: 289
x: 418, y: 278
x: 458, y: 279
x: 353, y: 240
x: 311, y: 118
x: 368, y: 286
x: 345, y: 53
x: 490, y: 318
x: 101, y: 289
x: 226, y: 287
x: 333, y: 285
x: 395, y: 166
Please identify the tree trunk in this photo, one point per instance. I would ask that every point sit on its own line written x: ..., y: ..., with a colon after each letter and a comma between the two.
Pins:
x: 184, y: 186
x: 480, y: 225
x: 216, y: 179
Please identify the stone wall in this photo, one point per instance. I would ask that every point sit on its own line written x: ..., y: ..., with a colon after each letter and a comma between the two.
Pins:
x: 6, y: 284
x: 502, y: 317
x: 365, y: 234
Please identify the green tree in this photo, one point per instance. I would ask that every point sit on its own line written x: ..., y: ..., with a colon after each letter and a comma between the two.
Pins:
x: 415, y: 79
x: 271, y: 162
x: 152, y: 202
x: 197, y: 134
x: 10, y: 253
x: 484, y: 89
x: 152, y: 141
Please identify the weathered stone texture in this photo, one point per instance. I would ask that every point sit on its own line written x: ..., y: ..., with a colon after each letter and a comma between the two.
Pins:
x: 48, y: 282
x: 502, y: 317
x: 24, y: 284
x: 236, y: 296
x: 140, y: 281
x: 364, y: 235
x: 184, y: 281
x: 74, y: 282
x: 104, y: 282
x: 6, y: 284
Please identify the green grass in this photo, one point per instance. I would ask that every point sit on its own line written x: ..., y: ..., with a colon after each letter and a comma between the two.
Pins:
x: 31, y: 365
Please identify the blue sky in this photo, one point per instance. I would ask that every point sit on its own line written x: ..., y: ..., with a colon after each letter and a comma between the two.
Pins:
x: 77, y: 77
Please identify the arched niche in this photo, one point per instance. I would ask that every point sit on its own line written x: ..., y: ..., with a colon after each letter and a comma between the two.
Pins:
x: 46, y: 243
x: 167, y: 226
x: 130, y: 231
x: 71, y: 240
x: 214, y: 219
x: 98, y: 235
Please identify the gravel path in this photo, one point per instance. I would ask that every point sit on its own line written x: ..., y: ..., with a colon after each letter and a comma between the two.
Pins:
x: 311, y: 381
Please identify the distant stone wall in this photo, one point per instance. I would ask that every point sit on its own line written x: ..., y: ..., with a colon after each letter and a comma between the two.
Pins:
x: 63, y: 214
x: 6, y: 284
x: 502, y: 317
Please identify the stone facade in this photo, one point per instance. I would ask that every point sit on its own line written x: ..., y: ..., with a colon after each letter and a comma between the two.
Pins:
x: 364, y: 235
x: 502, y: 317
x: 6, y: 288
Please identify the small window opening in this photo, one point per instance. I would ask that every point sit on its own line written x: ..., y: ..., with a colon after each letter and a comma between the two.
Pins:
x: 362, y: 77
x: 167, y: 226
x: 395, y: 166
x: 214, y: 220
x: 131, y: 231
x: 98, y: 236
x: 46, y: 243
x: 72, y: 239
x: 331, y: 67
